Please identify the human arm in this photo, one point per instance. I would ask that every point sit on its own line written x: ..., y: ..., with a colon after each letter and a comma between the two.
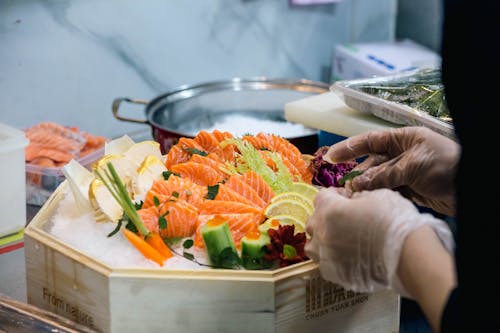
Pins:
x: 427, y: 272
x: 416, y: 161
x: 374, y: 240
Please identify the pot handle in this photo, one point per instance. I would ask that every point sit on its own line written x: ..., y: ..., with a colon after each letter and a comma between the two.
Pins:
x: 116, y: 106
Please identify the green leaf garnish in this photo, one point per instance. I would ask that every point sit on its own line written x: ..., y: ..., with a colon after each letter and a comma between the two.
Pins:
x: 188, y: 243
x: 349, y: 176
x: 195, y: 151
x: 162, y: 222
x: 156, y: 201
x: 212, y: 192
x: 168, y: 173
x: 118, y: 226
x: 289, y: 251
x: 175, y: 194
x: 188, y: 256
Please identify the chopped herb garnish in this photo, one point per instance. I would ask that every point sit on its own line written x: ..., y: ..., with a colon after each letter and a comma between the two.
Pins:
x: 175, y: 194
x: 162, y: 222
x: 349, y: 176
x: 188, y: 256
x: 193, y: 151
x: 168, y: 173
x: 138, y: 205
x: 156, y: 201
x: 118, y: 226
x: 212, y: 192
x: 188, y: 243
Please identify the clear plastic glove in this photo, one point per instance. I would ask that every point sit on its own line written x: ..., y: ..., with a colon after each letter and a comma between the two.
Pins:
x: 357, y: 240
x: 416, y: 161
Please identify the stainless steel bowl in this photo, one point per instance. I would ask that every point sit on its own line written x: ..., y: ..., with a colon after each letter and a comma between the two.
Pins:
x: 191, y: 108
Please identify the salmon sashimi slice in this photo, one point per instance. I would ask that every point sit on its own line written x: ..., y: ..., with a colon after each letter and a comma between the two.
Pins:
x: 219, y: 206
x: 239, y: 226
x: 34, y: 151
x: 201, y: 174
x: 181, y: 218
x: 209, y: 160
x: 209, y: 142
x: 221, y: 135
x: 290, y: 155
x: 50, y: 140
x: 238, y: 184
x: 259, y: 185
x: 175, y: 187
x: 227, y: 194
x: 182, y: 151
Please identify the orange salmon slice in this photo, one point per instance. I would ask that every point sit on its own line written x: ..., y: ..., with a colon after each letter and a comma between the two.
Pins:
x: 239, y: 225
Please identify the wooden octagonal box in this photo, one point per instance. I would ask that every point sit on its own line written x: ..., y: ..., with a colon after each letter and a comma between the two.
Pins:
x: 70, y: 283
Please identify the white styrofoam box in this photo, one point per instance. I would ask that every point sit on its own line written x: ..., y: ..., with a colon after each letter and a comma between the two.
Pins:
x: 364, y: 60
x: 12, y: 177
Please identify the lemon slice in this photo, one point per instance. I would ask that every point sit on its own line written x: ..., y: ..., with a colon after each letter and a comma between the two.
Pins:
x: 79, y: 179
x: 289, y: 207
x: 106, y: 208
x: 296, y: 196
x: 118, y: 146
x: 305, y: 189
x: 139, y: 151
x: 150, y: 170
x: 125, y: 168
x: 284, y: 219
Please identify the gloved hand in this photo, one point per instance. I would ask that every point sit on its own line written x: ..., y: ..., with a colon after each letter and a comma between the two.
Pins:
x: 357, y: 240
x: 416, y: 161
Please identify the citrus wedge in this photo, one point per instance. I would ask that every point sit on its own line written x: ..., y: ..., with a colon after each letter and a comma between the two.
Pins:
x: 305, y: 189
x: 125, y: 168
x: 296, y: 196
x: 106, y: 208
x: 139, y: 151
x: 150, y: 170
x: 288, y: 207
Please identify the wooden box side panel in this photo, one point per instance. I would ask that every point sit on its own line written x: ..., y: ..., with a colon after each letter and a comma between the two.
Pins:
x: 191, y: 305
x: 58, y: 283
x: 307, y: 303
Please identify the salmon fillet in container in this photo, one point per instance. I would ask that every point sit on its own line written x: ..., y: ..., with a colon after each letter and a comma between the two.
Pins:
x: 51, y: 146
x: 42, y: 181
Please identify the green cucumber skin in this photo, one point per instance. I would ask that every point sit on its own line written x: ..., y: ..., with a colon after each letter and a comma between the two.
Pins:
x: 253, y: 251
x: 217, y: 239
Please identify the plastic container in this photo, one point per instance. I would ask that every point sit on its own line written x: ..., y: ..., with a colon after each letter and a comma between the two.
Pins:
x: 41, y: 182
x: 12, y: 178
x: 395, y: 112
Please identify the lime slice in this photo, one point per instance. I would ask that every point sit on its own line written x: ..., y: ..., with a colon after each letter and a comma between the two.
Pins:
x: 305, y: 189
x: 283, y: 219
x: 296, y: 196
x: 288, y: 207
x: 105, y: 206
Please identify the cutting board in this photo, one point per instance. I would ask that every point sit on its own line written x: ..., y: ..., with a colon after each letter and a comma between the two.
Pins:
x: 328, y: 112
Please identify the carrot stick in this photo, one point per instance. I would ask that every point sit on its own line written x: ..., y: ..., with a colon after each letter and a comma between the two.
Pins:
x: 147, y: 250
x: 154, y: 239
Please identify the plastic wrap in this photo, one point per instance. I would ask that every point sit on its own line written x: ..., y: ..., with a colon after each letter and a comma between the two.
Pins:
x: 414, y: 98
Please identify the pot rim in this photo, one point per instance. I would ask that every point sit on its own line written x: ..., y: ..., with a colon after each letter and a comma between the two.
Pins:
x: 188, y: 91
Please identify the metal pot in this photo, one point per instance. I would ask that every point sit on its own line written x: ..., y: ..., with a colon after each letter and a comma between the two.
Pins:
x: 246, y: 105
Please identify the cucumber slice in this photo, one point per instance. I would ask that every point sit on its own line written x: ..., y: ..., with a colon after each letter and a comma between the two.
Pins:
x: 253, y: 251
x: 219, y: 244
